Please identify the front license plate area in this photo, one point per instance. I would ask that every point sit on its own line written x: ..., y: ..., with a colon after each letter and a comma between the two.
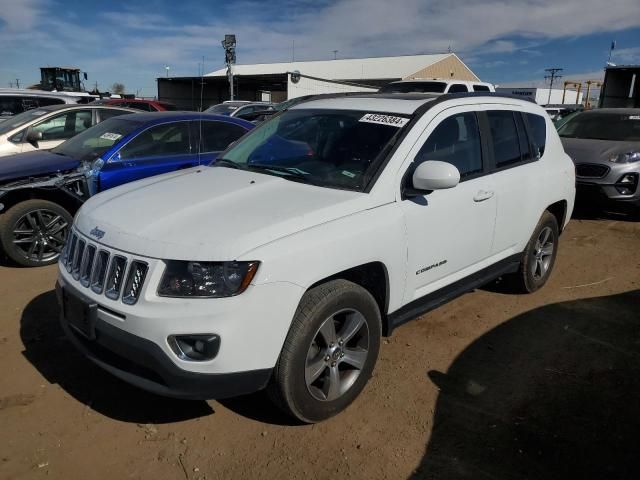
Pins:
x: 80, y: 313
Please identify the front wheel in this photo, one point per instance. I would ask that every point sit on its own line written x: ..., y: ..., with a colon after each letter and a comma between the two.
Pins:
x: 33, y: 232
x: 329, y: 353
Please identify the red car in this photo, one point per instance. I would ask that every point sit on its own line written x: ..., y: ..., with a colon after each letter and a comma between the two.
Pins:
x: 145, y: 105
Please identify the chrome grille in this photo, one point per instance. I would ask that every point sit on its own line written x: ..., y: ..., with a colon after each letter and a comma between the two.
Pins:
x: 87, y: 265
x: 77, y: 259
x: 104, y: 272
x: 100, y: 271
x: 591, y: 170
x: 137, y: 273
x: 71, y: 251
x: 115, y: 277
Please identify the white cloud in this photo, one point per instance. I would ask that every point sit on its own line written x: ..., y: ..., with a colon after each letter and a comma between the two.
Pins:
x: 139, y: 42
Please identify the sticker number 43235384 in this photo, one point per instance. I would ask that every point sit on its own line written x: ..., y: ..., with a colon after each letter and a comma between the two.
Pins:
x: 382, y: 119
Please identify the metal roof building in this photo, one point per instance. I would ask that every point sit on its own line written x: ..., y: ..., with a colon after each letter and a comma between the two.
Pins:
x: 274, y: 81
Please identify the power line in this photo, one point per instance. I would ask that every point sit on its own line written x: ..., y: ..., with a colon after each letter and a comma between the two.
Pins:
x: 553, y: 75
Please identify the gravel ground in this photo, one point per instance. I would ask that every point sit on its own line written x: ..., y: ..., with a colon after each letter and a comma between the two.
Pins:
x: 492, y: 385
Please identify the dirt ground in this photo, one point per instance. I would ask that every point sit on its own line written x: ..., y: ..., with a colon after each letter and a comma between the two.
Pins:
x: 493, y: 385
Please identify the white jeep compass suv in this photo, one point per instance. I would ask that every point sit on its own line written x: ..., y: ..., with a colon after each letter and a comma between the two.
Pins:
x: 282, y: 264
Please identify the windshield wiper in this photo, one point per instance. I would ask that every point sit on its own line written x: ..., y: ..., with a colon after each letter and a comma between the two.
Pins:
x: 291, y: 173
x: 223, y: 162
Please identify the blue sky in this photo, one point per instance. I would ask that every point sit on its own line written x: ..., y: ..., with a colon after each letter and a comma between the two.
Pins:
x: 503, y: 41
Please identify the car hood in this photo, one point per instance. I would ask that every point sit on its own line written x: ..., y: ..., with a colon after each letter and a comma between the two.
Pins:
x: 210, y: 213
x: 586, y: 150
x: 32, y: 164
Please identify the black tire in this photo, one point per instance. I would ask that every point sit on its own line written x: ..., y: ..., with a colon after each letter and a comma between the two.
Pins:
x: 531, y: 276
x: 338, y: 301
x: 47, y: 243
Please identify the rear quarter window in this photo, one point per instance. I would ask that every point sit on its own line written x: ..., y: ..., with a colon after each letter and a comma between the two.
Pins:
x: 537, y: 132
x: 480, y: 88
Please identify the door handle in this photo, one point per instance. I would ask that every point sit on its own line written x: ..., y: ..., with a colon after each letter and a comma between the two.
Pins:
x: 483, y: 195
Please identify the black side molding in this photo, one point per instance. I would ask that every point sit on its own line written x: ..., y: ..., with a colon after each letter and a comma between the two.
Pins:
x: 446, y: 294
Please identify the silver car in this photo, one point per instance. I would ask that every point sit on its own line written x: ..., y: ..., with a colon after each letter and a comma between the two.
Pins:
x: 605, y: 146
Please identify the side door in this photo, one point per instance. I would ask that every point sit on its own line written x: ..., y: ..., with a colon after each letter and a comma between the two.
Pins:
x: 214, y: 137
x: 59, y: 128
x: 450, y: 232
x: 158, y: 149
x: 517, y: 167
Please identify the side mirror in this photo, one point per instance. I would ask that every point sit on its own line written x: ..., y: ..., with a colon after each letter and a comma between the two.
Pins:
x: 33, y: 137
x: 434, y: 175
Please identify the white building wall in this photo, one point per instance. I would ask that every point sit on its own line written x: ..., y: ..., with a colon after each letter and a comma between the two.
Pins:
x: 541, y: 95
x: 312, y: 86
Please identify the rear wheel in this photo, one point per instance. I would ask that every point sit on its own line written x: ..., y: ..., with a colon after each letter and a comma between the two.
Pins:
x: 33, y: 232
x: 539, y: 256
x: 329, y: 353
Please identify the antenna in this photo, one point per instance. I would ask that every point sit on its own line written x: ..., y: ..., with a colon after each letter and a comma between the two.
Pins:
x: 553, y: 74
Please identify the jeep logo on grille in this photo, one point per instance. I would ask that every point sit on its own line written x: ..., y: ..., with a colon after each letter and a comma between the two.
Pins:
x: 96, y: 232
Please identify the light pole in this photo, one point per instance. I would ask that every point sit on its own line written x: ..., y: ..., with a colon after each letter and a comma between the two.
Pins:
x: 166, y: 67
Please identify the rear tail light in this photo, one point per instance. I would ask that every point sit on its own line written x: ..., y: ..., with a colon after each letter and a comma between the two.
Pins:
x: 135, y: 280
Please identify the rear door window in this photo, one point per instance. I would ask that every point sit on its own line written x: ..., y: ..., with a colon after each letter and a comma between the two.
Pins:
x: 216, y: 136
x: 481, y: 88
x: 104, y: 113
x: 504, y: 137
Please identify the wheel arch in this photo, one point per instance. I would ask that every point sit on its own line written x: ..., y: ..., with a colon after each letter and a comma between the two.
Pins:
x: 559, y: 210
x: 373, y: 277
x: 14, y: 197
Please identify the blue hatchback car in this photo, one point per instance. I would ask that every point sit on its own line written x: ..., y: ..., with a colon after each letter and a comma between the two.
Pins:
x: 40, y: 191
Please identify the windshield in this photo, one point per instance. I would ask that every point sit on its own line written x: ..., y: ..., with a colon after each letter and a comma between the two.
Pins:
x: 93, y: 142
x: 23, y: 118
x: 329, y: 148
x: 414, y: 87
x: 618, y: 127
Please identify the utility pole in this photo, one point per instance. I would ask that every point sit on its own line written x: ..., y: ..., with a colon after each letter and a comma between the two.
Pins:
x: 553, y: 75
x: 335, y: 54
x: 17, y: 83
x: 229, y: 45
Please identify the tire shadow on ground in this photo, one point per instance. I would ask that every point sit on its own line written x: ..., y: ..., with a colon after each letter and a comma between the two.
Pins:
x: 49, y: 351
x: 550, y: 394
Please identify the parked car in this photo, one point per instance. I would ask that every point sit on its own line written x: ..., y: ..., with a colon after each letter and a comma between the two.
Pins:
x: 262, y: 115
x: 245, y: 111
x: 605, y: 146
x: 559, y: 111
x: 141, y: 104
x: 14, y: 100
x: 282, y: 266
x: 227, y: 107
x: 47, y: 127
x: 418, y: 85
x: 40, y: 191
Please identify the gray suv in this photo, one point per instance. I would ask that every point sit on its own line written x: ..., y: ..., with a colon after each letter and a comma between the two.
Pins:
x: 605, y: 146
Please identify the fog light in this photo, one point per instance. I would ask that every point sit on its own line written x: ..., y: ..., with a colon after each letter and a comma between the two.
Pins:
x: 627, y: 184
x: 196, y: 348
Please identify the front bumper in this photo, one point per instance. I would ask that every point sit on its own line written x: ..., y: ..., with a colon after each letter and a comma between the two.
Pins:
x: 609, y: 184
x: 144, y: 364
x: 133, y: 341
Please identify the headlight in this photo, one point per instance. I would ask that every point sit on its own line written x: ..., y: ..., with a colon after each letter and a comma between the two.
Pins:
x: 206, y: 279
x: 625, y: 157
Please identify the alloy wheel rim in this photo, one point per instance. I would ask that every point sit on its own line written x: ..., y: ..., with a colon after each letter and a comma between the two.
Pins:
x: 542, y: 253
x: 337, y: 354
x: 39, y: 235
